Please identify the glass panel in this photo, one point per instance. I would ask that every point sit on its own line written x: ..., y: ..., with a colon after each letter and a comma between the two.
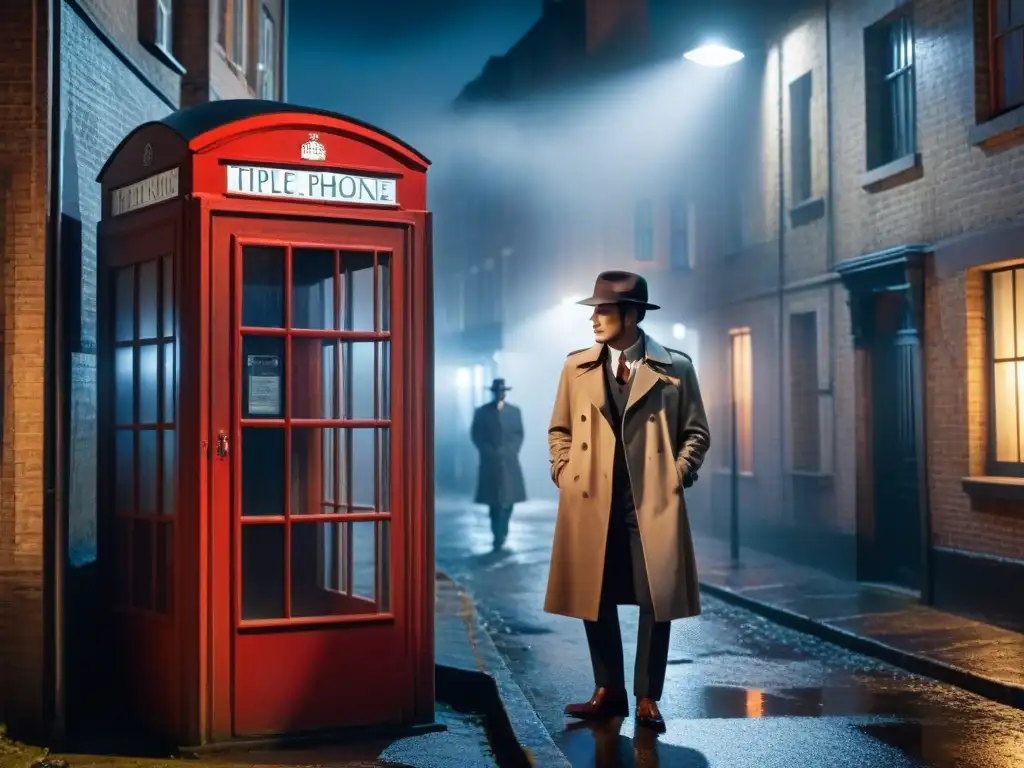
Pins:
x: 164, y: 567
x: 1010, y: 54
x: 262, y: 471
x: 1004, y: 389
x: 334, y: 568
x: 384, y: 292
x: 262, y: 572
x: 383, y: 566
x: 142, y: 564
x: 124, y: 385
x: 124, y: 472
x: 1002, y: 315
x: 123, y: 559
x: 262, y: 382
x: 1002, y: 19
x: 1016, y: 13
x: 148, y: 384
x: 384, y: 478
x: 357, y: 291
x: 357, y: 386
x: 364, y: 470
x: 312, y: 474
x: 169, y: 461
x: 384, y: 380
x: 124, y: 304
x: 147, y: 469
x: 263, y: 287
x: 169, y: 382
x: 311, y: 377
x: 313, y: 288
x: 148, y: 298
x: 1019, y: 302
x: 168, y: 297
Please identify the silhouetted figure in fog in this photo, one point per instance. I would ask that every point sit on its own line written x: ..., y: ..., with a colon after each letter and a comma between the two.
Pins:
x: 498, y: 435
x: 628, y: 433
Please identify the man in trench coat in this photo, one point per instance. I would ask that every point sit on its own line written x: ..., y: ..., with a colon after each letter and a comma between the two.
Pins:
x: 497, y: 433
x: 627, y: 434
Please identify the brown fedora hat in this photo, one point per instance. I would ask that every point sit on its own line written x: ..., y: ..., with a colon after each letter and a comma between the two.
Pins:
x: 618, y: 287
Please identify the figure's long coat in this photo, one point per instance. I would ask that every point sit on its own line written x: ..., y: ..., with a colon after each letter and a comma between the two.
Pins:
x: 498, y: 435
x: 665, y: 436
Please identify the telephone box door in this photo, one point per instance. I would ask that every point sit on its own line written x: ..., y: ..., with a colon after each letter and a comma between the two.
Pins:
x: 308, y: 514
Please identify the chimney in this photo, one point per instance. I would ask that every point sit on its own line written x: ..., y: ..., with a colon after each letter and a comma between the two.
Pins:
x: 607, y: 19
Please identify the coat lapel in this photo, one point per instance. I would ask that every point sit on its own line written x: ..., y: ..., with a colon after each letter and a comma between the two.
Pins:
x: 590, y: 372
x: 650, y: 371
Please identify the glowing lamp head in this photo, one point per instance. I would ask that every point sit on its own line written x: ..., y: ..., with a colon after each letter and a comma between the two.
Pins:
x: 678, y: 331
x: 713, y: 55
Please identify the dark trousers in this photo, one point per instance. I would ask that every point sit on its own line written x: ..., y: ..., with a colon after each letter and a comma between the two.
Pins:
x: 604, y: 636
x: 500, y: 517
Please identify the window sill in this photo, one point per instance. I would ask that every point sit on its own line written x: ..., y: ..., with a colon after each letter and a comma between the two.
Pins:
x: 992, y: 488
x: 164, y: 56
x: 820, y: 479
x: 999, y: 130
x: 805, y: 212
x: 885, y: 176
x: 726, y: 472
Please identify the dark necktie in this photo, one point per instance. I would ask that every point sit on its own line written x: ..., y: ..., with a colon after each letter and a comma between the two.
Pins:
x: 622, y: 373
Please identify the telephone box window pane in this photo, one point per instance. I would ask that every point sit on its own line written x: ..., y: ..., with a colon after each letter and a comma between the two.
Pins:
x: 168, y: 383
x: 384, y: 471
x: 164, y: 566
x: 262, y: 572
x: 312, y: 379
x: 384, y: 292
x: 358, y: 380
x: 364, y: 463
x: 168, y: 297
x: 263, y: 287
x: 124, y: 305
x: 318, y: 471
x: 142, y: 564
x: 124, y: 385
x: 124, y: 472
x: 384, y: 380
x: 147, y: 471
x: 148, y: 299
x: 169, y: 461
x: 263, y: 377
x: 148, y: 384
x: 333, y: 569
x: 122, y: 547
x: 262, y: 471
x: 313, y: 288
x: 357, y: 291
x: 384, y: 566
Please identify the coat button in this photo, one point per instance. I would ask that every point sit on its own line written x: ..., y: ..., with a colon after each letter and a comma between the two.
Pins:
x: 584, y: 446
x: 651, y: 417
x: 586, y: 495
x: 576, y: 479
x: 583, y: 417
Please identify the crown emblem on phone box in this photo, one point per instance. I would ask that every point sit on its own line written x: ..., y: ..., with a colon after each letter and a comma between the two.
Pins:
x: 313, y: 149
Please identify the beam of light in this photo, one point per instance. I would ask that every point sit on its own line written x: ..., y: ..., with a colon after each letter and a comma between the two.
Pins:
x: 568, y: 301
x: 713, y: 55
x: 462, y: 377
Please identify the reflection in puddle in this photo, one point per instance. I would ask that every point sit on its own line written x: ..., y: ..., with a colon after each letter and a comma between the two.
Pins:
x: 729, y: 702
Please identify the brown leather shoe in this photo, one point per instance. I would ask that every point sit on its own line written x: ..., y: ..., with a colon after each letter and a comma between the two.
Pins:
x: 648, y: 716
x: 602, y: 705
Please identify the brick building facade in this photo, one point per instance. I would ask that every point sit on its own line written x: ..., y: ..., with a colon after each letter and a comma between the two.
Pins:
x: 80, y: 75
x: 851, y: 289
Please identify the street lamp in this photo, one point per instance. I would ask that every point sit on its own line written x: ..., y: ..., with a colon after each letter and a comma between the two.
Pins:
x: 713, y: 55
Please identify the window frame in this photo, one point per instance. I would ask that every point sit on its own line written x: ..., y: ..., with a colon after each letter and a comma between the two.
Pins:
x: 163, y: 10
x: 680, y: 211
x: 882, y: 79
x: 995, y: 69
x: 643, y: 230
x: 994, y: 467
x: 801, y: 144
x: 267, y: 67
x: 236, y: 32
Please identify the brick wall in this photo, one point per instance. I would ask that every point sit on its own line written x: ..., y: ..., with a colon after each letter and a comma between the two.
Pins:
x: 23, y: 119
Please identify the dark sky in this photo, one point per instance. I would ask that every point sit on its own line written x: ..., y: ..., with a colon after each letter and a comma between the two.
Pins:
x: 394, y: 63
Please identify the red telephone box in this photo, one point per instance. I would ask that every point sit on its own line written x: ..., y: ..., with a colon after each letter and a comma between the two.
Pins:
x: 265, y: 380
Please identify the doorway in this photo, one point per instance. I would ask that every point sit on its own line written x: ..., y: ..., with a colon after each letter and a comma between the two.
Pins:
x: 309, y: 583
x: 895, y: 385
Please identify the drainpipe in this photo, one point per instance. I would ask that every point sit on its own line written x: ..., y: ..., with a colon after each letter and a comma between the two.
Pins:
x: 55, y: 400
x: 830, y: 223
x: 783, y: 495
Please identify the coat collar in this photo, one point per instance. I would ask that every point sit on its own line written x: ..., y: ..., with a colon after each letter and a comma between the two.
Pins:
x: 590, y: 371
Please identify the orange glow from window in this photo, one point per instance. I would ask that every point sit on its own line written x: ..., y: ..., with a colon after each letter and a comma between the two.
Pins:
x: 743, y: 395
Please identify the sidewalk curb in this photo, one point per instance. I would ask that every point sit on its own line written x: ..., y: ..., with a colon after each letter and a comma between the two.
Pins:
x: 986, y: 687
x: 490, y: 689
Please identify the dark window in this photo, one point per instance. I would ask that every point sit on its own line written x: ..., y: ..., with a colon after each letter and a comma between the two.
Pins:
x: 889, y: 74
x: 643, y: 230
x: 1006, y: 371
x: 805, y: 440
x: 267, y: 65
x: 1007, y: 52
x: 800, y: 137
x: 679, y: 255
x: 222, y: 23
x: 237, y: 24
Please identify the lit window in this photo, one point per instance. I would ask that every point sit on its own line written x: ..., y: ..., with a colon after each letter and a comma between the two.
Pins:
x: 164, y: 26
x: 267, y: 66
x: 742, y: 376
x: 643, y: 231
x: 1006, y: 350
x: 891, y: 115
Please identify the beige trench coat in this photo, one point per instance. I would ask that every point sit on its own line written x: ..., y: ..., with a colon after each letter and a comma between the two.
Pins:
x: 666, y: 435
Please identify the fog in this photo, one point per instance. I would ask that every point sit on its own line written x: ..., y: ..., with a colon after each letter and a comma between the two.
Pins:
x: 537, y: 198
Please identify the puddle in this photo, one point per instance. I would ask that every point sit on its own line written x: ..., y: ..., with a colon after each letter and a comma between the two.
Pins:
x: 723, y: 702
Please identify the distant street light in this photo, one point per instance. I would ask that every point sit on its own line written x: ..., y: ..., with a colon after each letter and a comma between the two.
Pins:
x: 678, y: 331
x: 713, y: 55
